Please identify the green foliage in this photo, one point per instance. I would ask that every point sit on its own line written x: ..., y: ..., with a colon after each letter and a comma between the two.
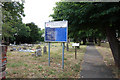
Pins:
x: 88, y: 19
x: 12, y: 12
x: 35, y: 33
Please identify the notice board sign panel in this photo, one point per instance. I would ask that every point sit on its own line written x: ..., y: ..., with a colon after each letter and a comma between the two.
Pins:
x: 75, y: 44
x: 56, y: 31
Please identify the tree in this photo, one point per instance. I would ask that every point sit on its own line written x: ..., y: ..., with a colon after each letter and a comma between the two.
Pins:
x: 12, y: 12
x: 103, y: 17
x: 35, y: 33
x: 22, y: 33
x: 41, y: 34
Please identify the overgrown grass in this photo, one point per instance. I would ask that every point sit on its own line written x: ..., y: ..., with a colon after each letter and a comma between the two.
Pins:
x: 23, y: 65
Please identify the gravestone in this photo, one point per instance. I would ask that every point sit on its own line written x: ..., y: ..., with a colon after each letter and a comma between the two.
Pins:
x: 45, y: 50
x: 33, y: 54
x: 38, y: 51
x: 19, y: 48
x: 32, y: 45
x: 38, y: 47
x: 24, y: 48
x: 14, y: 49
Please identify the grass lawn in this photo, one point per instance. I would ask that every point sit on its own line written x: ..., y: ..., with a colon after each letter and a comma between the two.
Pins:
x: 23, y: 65
x: 105, y: 51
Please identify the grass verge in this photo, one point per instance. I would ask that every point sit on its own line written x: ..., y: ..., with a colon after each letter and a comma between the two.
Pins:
x: 105, y: 51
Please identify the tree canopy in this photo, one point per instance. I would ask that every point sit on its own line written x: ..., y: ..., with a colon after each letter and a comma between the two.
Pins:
x: 85, y: 16
x: 35, y: 33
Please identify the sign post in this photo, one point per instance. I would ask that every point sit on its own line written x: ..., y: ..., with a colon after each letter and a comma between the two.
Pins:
x: 49, y: 54
x: 75, y: 52
x: 75, y: 45
x: 56, y: 31
x: 63, y: 56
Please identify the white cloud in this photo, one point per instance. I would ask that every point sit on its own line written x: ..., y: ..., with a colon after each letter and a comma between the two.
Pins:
x: 38, y: 11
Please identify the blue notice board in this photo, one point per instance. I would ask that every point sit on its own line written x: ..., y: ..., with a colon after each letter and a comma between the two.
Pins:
x: 56, y: 34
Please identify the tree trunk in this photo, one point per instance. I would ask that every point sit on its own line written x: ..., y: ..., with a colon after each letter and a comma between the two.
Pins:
x: 95, y: 40
x: 99, y: 42
x: 61, y: 44
x: 84, y: 41
x: 114, y: 45
x: 67, y: 47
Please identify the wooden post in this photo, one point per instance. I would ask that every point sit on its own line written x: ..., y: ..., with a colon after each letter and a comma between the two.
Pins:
x: 75, y: 52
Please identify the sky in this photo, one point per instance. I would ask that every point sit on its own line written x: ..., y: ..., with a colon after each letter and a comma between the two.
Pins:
x: 38, y: 11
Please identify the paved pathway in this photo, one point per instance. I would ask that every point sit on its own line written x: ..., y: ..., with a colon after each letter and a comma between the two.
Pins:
x: 93, y: 65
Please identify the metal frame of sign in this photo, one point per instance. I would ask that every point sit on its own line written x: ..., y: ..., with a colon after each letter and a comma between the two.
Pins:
x: 57, y: 27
